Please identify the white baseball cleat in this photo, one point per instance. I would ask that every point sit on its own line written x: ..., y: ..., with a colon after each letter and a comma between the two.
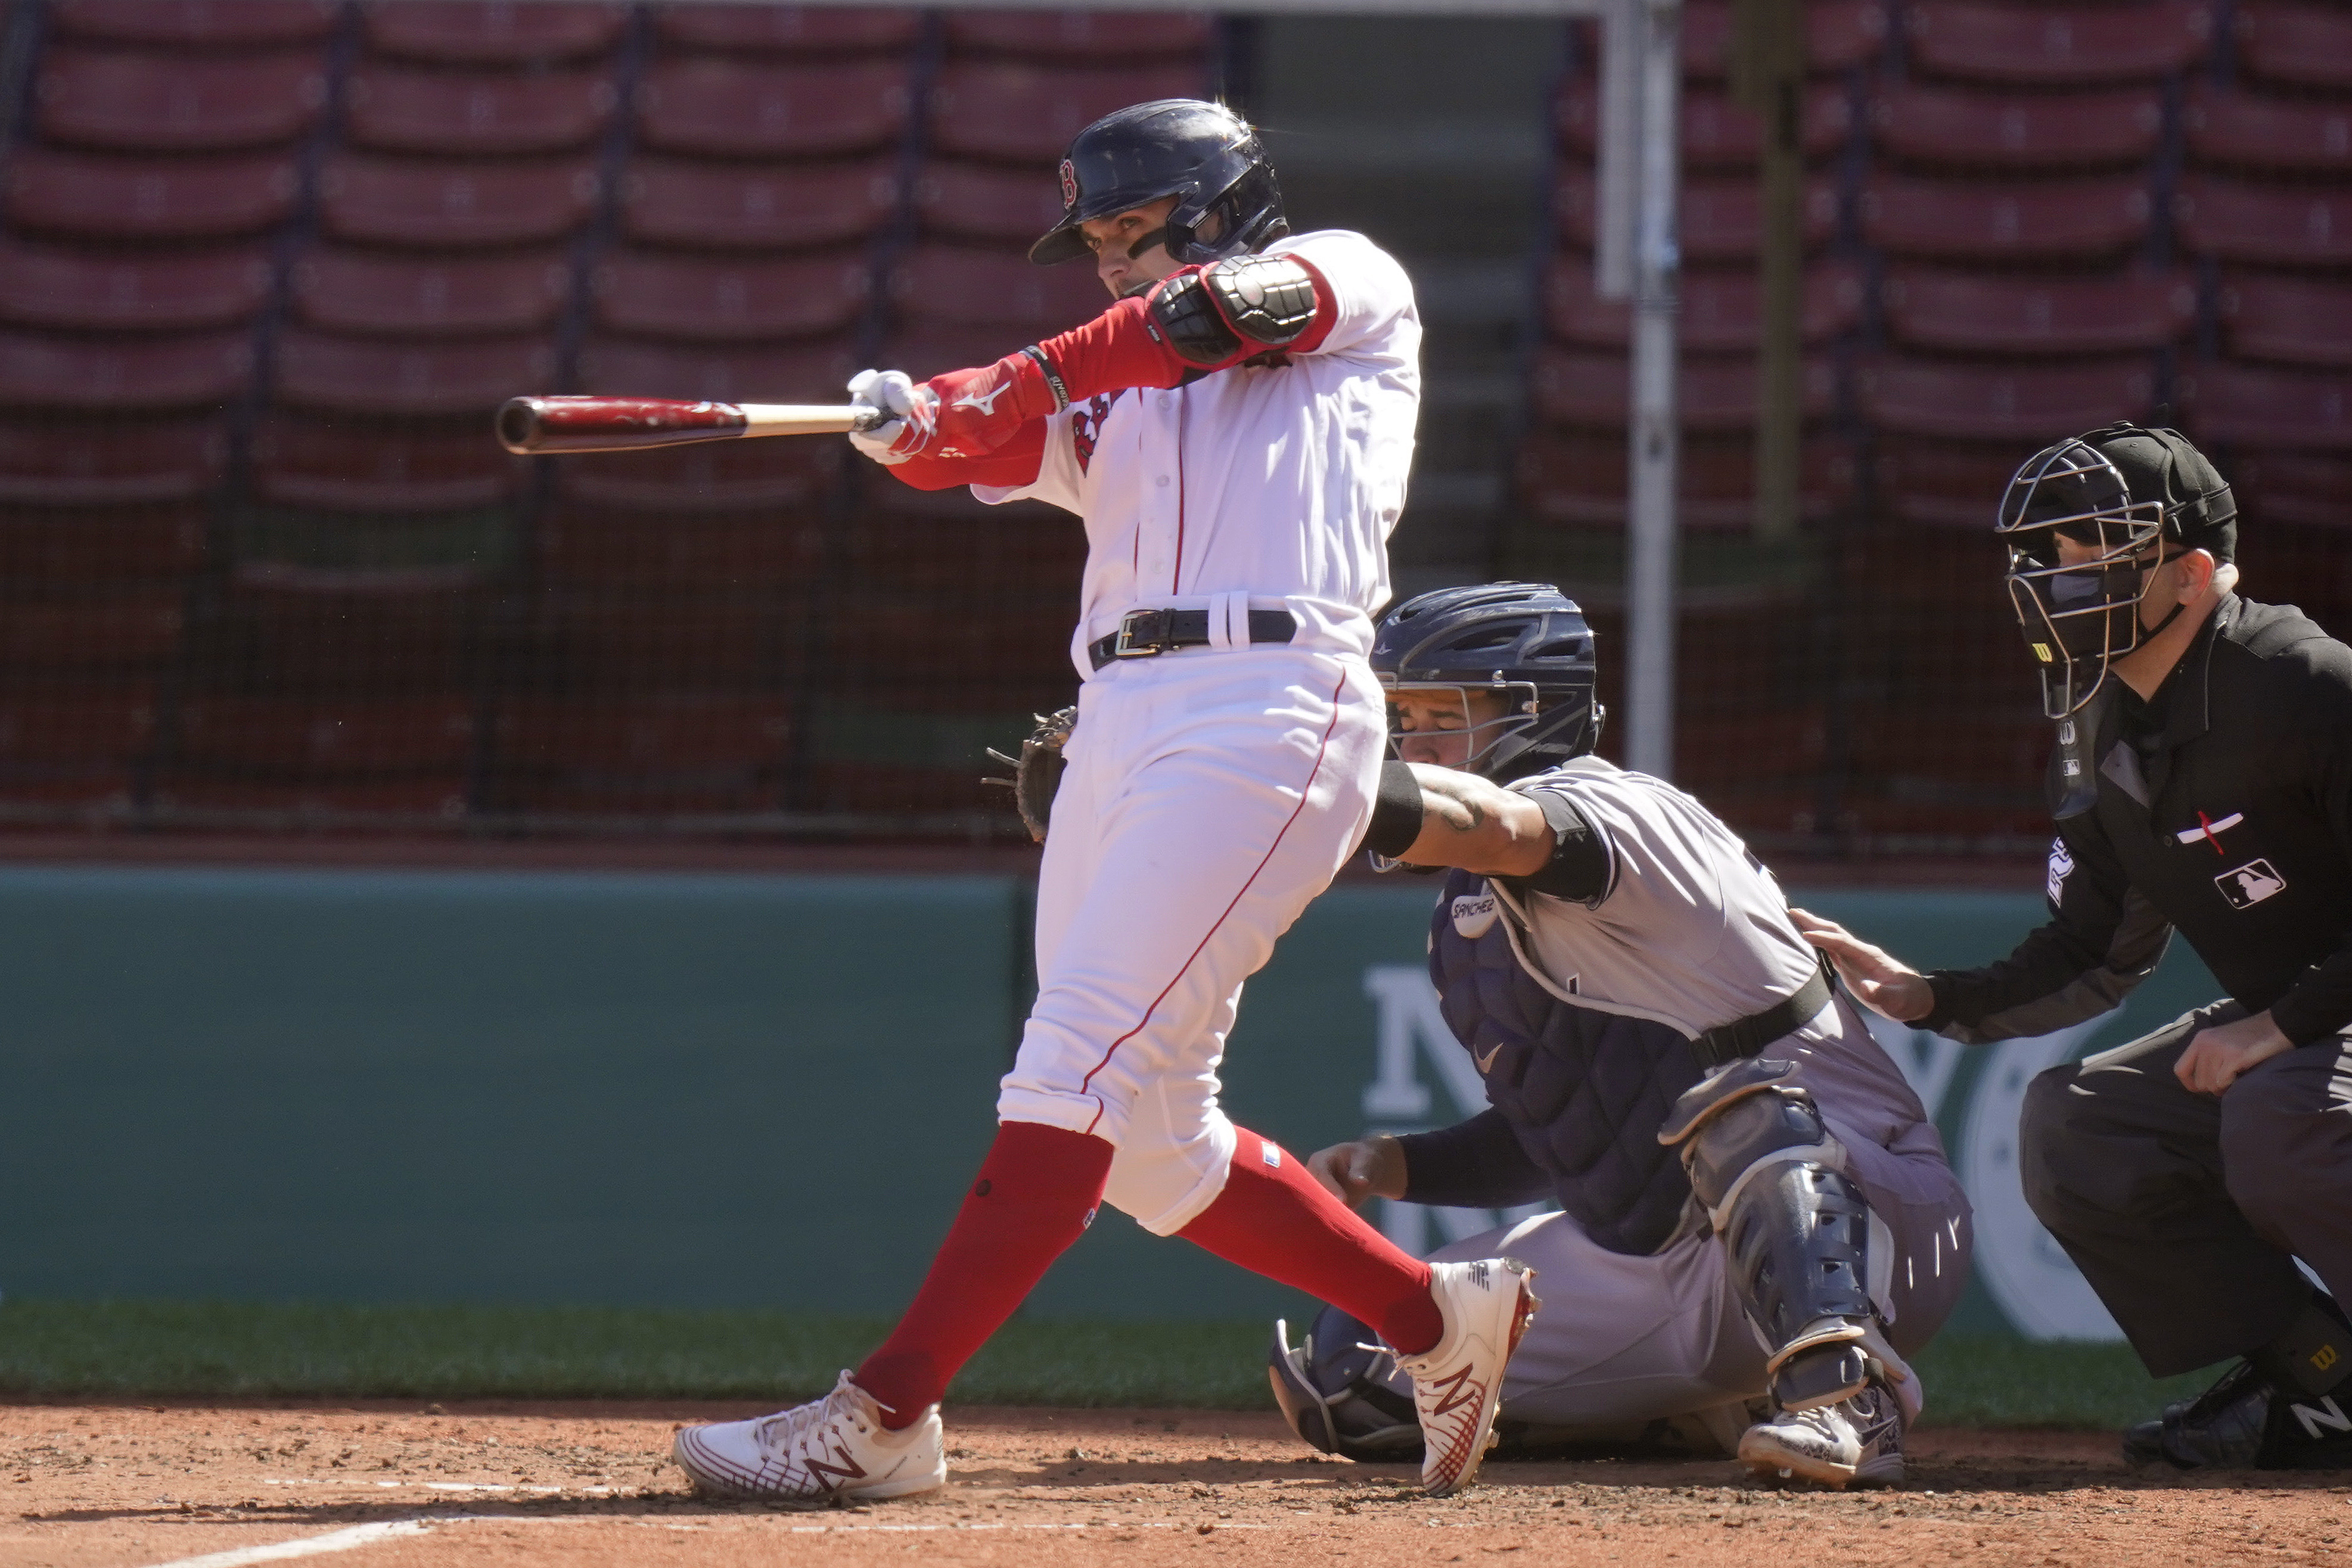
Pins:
x: 1856, y: 1440
x: 833, y: 1448
x: 1458, y: 1381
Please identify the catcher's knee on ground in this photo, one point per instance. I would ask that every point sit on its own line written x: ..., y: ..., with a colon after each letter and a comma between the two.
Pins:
x: 1800, y: 1238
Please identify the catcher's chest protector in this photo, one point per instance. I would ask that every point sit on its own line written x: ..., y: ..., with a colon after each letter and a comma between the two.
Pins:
x: 1585, y: 1090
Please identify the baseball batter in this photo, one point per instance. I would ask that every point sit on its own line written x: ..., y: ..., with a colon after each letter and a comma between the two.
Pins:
x: 1753, y: 1205
x: 1236, y: 431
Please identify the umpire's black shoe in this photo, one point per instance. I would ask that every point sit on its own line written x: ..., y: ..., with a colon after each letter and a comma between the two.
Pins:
x: 2243, y: 1422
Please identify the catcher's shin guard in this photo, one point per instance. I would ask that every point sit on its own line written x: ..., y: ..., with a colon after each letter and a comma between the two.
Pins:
x: 1799, y: 1237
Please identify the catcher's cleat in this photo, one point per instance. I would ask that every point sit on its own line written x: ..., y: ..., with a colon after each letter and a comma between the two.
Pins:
x: 1457, y: 1383
x: 1856, y: 1441
x: 827, y: 1449
x: 2244, y: 1422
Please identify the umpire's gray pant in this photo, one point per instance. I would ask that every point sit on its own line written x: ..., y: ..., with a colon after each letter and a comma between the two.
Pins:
x: 2186, y: 1213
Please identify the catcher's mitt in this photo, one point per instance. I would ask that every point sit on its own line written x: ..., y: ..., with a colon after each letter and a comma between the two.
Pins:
x: 1037, y: 772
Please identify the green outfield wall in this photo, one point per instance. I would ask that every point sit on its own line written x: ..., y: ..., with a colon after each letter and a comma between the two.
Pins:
x: 712, y: 1090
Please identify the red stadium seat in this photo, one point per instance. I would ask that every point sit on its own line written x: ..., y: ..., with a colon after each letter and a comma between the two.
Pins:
x: 491, y: 32
x: 96, y: 544
x: 1978, y: 403
x: 1080, y: 35
x: 110, y: 463
x: 1719, y: 310
x: 2306, y: 321
x: 951, y: 284
x: 719, y: 300
x: 1720, y: 219
x: 294, y: 734
x: 2298, y: 135
x: 710, y: 205
x: 706, y: 476
x: 2057, y: 45
x: 105, y: 629
x: 1921, y: 124
x: 1838, y: 34
x: 1948, y: 484
x: 178, y: 104
x: 2307, y: 45
x: 197, y: 24
x: 287, y: 630
x: 1985, y: 313
x: 673, y: 752
x: 797, y: 373
x: 358, y: 375
x: 1027, y: 554
x: 2267, y: 225
x: 395, y: 109
x: 1716, y: 133
x: 719, y: 109
x: 207, y: 801
x: 313, y: 463
x: 738, y: 29
x: 2064, y: 220
x: 2251, y: 406
x: 384, y: 201
x: 1589, y: 390
x: 632, y: 639
x: 114, y: 290
x: 45, y: 372
x: 101, y: 725
x: 927, y: 348
x: 106, y: 197
x: 2306, y: 489
x: 1027, y: 114
x: 978, y: 202
x: 373, y: 292
x: 589, y: 546
x: 1576, y: 478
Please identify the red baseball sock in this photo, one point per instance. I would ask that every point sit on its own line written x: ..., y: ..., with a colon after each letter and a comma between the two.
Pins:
x: 1275, y: 1219
x: 1034, y: 1193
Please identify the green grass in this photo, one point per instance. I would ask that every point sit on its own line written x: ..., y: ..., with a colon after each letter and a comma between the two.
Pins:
x: 196, y: 1350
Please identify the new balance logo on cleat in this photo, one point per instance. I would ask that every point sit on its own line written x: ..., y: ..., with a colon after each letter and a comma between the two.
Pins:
x: 1457, y: 1383
x: 829, y: 1448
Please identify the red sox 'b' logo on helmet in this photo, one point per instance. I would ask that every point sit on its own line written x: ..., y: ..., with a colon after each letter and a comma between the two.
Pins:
x: 1069, y: 185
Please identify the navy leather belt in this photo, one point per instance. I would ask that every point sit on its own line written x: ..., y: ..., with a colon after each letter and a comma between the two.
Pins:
x: 1144, y: 633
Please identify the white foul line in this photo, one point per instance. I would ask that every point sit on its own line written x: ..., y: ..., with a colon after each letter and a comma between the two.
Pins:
x: 308, y: 1546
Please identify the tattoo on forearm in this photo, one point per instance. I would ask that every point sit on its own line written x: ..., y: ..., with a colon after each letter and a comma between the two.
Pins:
x: 1454, y: 803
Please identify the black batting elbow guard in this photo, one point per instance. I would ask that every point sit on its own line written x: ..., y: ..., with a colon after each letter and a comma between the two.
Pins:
x: 1242, y: 306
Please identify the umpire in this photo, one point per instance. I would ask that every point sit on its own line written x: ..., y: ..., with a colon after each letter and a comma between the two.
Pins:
x: 2202, y: 781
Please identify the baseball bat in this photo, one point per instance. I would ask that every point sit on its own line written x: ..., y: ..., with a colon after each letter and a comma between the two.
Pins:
x: 527, y: 426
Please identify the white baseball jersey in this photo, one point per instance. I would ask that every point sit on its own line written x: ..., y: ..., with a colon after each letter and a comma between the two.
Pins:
x: 1281, y: 482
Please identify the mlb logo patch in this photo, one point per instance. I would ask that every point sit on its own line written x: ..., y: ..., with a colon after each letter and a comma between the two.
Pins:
x: 2250, y: 883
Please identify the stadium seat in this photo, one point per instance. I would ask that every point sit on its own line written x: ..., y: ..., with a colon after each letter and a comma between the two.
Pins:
x: 1948, y: 484
x: 764, y: 548
x: 632, y: 639
x: 376, y: 292
x: 2265, y: 226
x: 212, y: 800
x: 440, y: 113
x: 705, y: 300
x: 1994, y: 313
x: 1984, y: 220
x: 812, y: 373
x: 103, y: 628
x: 400, y: 201
x: 1576, y: 478
x: 1025, y: 552
x: 739, y: 30
x: 271, y: 735
x: 348, y: 466
x: 1027, y: 114
x: 667, y: 752
x: 1718, y: 219
x: 1981, y: 402
x: 925, y: 349
x: 1718, y: 310
x: 490, y: 32
x: 287, y: 632
x: 104, y: 197
x: 116, y: 291
x: 1716, y: 133
x: 706, y: 476
x: 2302, y: 321
x: 196, y: 23
x: 360, y: 375
x: 2304, y: 46
x: 89, y: 725
x: 100, y: 543
x: 978, y: 202
x: 2296, y: 136
x: 1080, y: 35
x: 180, y: 372
x: 1939, y: 125
x: 2056, y: 45
x: 166, y: 103
x: 712, y: 108
x: 2250, y: 405
x: 2309, y: 489
x: 1586, y: 389
x: 52, y: 462
x: 720, y: 207
x: 1838, y: 34
x: 993, y: 288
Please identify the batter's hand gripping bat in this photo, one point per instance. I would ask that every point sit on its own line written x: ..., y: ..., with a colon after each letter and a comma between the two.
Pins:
x: 527, y: 425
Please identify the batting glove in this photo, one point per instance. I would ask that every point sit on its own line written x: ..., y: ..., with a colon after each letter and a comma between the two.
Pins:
x: 905, y: 415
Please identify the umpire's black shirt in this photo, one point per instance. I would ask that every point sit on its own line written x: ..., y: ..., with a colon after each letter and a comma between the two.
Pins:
x: 2223, y: 809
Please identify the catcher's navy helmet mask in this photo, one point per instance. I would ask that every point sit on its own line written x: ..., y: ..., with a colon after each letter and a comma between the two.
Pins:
x: 1203, y: 154
x: 1525, y: 640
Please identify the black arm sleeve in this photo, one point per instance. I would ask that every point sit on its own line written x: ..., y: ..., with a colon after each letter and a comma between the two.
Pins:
x: 1579, y: 867
x: 1396, y: 811
x: 1477, y: 1164
x: 2320, y: 1004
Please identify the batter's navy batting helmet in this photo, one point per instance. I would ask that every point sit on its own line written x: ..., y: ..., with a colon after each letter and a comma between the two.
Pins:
x: 1526, y: 640
x: 1203, y: 154
x: 1341, y: 1391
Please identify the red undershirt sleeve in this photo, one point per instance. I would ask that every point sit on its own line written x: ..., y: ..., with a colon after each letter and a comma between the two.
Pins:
x: 1017, y: 463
